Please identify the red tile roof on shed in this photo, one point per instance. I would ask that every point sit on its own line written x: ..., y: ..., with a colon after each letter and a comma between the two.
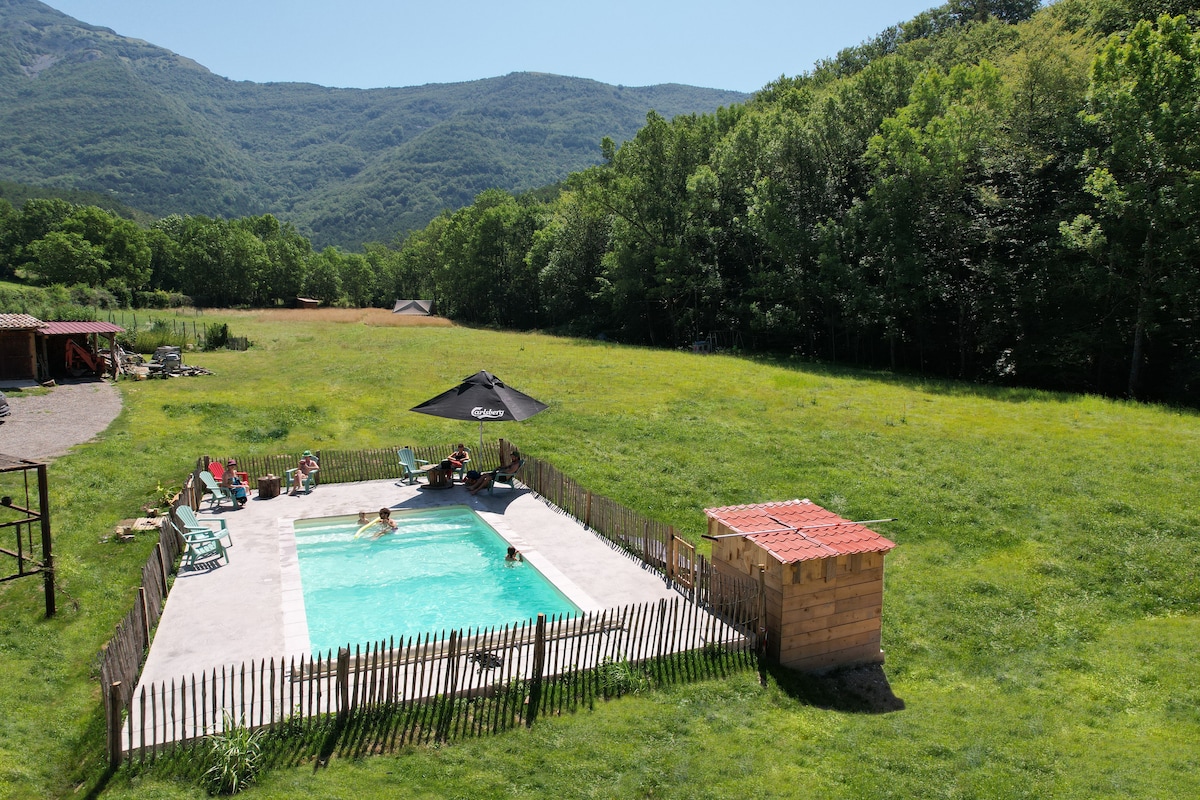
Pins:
x: 799, y: 530
x: 19, y: 322
x: 60, y: 328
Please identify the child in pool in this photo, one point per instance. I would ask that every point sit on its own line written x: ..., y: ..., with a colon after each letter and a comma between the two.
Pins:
x: 385, y: 522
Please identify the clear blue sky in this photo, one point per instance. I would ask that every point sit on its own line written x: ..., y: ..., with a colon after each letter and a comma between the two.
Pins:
x: 373, y: 43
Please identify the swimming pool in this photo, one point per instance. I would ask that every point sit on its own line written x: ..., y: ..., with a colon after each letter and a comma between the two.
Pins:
x: 444, y: 568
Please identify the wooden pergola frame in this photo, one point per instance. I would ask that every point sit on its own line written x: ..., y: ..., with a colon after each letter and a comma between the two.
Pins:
x: 27, y: 564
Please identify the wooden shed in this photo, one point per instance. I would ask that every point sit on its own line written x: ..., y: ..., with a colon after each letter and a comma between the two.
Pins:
x: 18, y: 346
x: 823, y: 577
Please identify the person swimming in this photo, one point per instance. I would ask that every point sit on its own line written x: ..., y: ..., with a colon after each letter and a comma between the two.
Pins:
x: 385, y: 521
x: 378, y: 526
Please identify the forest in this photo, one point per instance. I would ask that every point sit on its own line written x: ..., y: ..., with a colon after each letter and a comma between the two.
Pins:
x: 989, y: 191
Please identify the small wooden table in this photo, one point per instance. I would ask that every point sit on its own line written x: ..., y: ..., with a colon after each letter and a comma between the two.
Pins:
x: 437, y: 477
x: 268, y: 487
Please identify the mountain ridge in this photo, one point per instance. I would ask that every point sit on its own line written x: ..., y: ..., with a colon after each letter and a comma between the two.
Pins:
x: 82, y: 107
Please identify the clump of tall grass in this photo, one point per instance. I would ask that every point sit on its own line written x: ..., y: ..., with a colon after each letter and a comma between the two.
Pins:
x: 160, y: 333
x: 234, y: 758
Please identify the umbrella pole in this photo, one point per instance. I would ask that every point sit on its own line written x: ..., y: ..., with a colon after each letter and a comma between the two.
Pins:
x: 481, y: 438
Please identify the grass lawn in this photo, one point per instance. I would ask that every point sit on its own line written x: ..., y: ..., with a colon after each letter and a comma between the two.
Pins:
x: 1040, y: 615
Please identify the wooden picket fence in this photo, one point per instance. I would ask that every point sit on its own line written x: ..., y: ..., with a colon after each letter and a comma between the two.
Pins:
x: 448, y: 686
x: 570, y: 660
x: 652, y: 542
x: 121, y: 659
x: 349, y: 466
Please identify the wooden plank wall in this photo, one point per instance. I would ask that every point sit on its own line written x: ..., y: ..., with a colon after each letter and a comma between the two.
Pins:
x: 832, y: 611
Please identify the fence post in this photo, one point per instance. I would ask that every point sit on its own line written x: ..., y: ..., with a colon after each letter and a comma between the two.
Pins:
x: 661, y: 646
x: 112, y: 711
x: 452, y: 662
x: 163, y: 569
x: 539, y: 666
x: 587, y: 514
x: 343, y: 684
x: 145, y: 617
x: 671, y: 553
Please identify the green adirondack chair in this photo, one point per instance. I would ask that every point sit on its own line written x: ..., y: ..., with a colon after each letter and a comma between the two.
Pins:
x: 410, y: 464
x: 193, y: 524
x: 198, y: 546
x: 309, y: 482
x: 506, y: 478
x: 218, y: 491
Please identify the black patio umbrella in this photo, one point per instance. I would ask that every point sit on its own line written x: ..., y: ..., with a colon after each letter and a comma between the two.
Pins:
x: 484, y: 397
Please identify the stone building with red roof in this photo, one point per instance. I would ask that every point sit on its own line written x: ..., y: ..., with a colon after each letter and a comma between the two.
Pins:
x: 823, y: 577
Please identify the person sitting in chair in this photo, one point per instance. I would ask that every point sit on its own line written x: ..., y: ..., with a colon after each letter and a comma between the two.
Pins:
x: 488, y: 478
x: 233, y: 482
x: 459, y: 457
x: 307, y: 466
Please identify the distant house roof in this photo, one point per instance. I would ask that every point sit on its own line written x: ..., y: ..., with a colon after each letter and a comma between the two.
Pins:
x: 17, y: 322
x: 60, y: 328
x: 413, y: 307
x: 799, y: 530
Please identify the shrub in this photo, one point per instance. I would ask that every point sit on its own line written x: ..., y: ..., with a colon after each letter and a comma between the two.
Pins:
x: 160, y: 299
x: 84, y: 295
x: 216, y: 336
x: 121, y: 294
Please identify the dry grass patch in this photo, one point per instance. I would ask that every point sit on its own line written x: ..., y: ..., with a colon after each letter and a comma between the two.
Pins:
x: 374, y: 317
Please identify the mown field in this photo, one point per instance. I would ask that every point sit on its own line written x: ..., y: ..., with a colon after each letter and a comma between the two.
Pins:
x: 1040, y: 615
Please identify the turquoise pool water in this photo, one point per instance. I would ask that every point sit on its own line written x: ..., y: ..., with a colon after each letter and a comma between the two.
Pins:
x: 443, y: 569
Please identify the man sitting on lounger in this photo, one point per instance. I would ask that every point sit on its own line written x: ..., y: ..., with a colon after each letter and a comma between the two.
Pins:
x: 484, y: 480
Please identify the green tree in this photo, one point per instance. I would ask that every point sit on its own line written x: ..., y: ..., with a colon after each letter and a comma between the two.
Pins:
x: 924, y: 218
x: 219, y: 262
x: 413, y: 272
x: 323, y: 280
x: 8, y: 236
x: 981, y: 10
x: 566, y: 255
x: 288, y: 254
x: 66, y: 257
x: 482, y: 274
x: 1144, y: 104
x: 357, y: 280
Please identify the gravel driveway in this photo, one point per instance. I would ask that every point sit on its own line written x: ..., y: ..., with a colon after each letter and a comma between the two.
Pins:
x: 43, y: 427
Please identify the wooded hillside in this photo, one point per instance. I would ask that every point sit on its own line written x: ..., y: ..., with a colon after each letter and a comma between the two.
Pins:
x: 82, y: 107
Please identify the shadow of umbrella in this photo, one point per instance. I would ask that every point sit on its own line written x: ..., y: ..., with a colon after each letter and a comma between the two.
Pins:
x: 482, y: 397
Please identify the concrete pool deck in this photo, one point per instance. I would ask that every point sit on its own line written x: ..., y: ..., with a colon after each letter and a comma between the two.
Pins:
x: 251, y: 606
